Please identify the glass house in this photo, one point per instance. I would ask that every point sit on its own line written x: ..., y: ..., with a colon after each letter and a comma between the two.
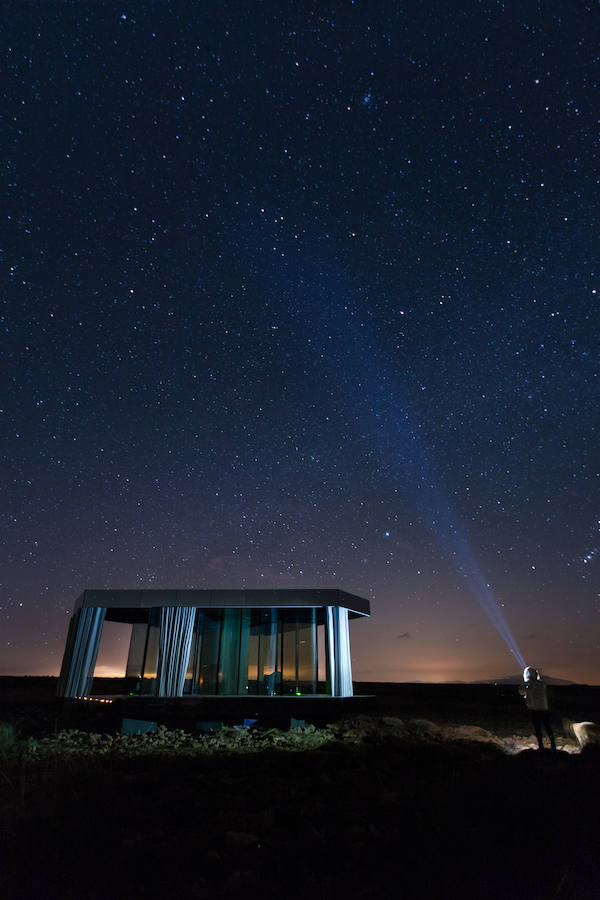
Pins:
x: 202, y: 642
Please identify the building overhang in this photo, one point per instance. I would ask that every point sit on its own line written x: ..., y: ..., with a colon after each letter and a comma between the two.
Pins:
x: 285, y: 598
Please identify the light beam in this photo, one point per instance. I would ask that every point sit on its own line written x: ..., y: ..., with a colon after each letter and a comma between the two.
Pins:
x: 344, y: 336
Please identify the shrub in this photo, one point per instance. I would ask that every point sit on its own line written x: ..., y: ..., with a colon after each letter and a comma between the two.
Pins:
x: 8, y: 738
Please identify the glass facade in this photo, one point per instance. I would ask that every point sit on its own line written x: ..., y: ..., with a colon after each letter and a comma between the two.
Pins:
x: 238, y: 651
x: 142, y: 662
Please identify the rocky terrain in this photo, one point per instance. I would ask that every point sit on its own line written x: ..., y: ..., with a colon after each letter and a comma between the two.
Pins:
x: 378, y: 806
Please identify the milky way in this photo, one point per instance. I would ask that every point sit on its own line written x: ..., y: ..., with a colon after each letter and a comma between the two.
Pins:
x: 306, y: 296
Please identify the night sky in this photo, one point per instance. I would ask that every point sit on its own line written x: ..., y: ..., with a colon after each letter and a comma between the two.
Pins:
x: 305, y: 295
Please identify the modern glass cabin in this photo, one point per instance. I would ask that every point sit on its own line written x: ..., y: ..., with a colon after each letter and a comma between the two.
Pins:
x: 224, y: 643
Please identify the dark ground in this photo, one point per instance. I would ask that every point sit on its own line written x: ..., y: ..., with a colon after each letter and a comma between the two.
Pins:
x: 385, y: 818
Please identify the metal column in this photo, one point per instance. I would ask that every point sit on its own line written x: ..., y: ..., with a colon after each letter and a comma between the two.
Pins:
x: 339, y: 666
x: 85, y: 630
x: 176, y: 630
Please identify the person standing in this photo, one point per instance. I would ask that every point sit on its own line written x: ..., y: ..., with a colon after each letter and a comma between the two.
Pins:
x: 533, y: 690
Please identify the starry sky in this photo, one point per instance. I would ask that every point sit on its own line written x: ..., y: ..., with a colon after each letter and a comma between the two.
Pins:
x: 303, y: 294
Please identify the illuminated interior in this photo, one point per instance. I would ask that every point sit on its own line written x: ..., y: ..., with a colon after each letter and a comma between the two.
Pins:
x: 265, y: 652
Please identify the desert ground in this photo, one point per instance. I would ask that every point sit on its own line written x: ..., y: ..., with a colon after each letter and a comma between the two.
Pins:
x: 434, y: 791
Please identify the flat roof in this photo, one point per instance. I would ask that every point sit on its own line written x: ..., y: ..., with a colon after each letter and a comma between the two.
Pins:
x: 222, y: 599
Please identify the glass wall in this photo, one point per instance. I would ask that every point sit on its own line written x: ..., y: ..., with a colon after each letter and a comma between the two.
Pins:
x: 264, y: 652
x: 263, y: 675
x: 238, y: 651
x: 142, y: 661
x: 204, y: 657
x: 297, y: 651
x: 233, y: 657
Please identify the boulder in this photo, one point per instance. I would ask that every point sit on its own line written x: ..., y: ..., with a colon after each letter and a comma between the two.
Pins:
x: 469, y: 733
x: 423, y: 728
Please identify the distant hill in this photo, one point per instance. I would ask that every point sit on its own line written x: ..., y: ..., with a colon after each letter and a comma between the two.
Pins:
x: 518, y: 679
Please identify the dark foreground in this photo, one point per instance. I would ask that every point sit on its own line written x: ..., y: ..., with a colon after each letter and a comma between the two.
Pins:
x: 381, y: 817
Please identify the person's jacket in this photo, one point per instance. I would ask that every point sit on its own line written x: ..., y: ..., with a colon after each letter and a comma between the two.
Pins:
x: 535, y: 695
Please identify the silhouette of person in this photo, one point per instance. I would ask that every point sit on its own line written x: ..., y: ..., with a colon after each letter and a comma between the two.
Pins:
x: 533, y: 690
